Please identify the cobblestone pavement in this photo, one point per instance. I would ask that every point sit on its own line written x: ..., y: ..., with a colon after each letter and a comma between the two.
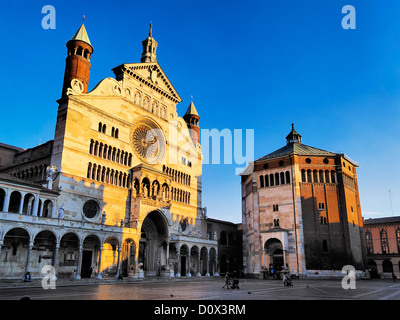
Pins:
x: 205, y: 289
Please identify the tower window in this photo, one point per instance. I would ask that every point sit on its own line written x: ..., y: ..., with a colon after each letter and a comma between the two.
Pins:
x: 275, y: 207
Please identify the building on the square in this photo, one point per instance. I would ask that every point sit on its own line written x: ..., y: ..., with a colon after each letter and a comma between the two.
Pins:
x: 229, y: 236
x: 301, y: 209
x: 118, y: 190
x: 382, y: 240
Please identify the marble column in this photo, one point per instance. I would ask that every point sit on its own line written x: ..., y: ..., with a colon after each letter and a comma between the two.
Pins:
x: 178, y: 259
x: 208, y: 263
x: 6, y: 200
x: 118, y: 261
x: 188, y: 274
x: 98, y: 276
x: 78, y: 266
x: 28, y: 258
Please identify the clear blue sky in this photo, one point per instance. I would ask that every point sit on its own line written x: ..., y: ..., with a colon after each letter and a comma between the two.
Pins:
x: 248, y: 64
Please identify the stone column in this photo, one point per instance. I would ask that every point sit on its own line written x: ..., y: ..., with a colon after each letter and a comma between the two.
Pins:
x: 208, y: 263
x: 35, y: 205
x: 28, y: 258
x: 41, y: 208
x: 53, y: 209
x: 199, y: 266
x: 167, y: 255
x: 216, y: 274
x: 21, y: 203
x: 98, y: 276
x: 118, y: 261
x: 178, y: 258
x: 55, y: 256
x: 78, y: 266
x: 188, y: 274
x: 6, y: 200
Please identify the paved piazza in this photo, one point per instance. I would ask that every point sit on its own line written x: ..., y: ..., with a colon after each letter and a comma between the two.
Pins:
x: 211, y: 289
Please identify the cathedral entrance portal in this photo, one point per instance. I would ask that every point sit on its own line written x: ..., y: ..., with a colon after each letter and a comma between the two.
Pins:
x: 274, y: 250
x: 152, y: 252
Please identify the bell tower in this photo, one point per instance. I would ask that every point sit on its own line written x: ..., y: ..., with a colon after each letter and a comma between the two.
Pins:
x: 77, y: 63
x: 192, y: 120
x: 149, y: 48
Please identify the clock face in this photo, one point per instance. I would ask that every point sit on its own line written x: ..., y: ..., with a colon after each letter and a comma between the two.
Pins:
x: 148, y: 142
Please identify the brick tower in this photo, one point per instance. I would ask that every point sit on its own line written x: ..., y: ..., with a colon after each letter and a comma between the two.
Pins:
x: 77, y: 63
x: 192, y: 120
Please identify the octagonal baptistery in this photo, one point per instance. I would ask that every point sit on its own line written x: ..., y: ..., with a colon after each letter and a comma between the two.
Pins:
x: 303, y: 204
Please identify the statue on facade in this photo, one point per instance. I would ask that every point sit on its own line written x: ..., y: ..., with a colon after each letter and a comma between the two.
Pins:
x: 103, y: 218
x: 61, y: 212
x: 50, y: 176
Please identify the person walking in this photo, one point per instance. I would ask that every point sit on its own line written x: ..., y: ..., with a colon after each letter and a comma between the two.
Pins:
x: 227, y: 280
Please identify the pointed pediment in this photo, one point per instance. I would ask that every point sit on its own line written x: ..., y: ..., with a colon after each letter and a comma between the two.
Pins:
x: 150, y: 74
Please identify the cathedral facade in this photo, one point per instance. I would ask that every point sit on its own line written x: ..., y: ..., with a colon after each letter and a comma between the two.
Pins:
x: 118, y: 191
x: 301, y: 212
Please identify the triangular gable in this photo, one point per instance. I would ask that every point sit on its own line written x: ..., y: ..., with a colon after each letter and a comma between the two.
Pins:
x: 151, y: 74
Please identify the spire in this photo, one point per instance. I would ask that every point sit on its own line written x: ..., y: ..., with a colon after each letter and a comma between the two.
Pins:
x: 191, y: 110
x: 81, y: 34
x: 149, y: 47
x: 192, y: 118
x: 293, y: 136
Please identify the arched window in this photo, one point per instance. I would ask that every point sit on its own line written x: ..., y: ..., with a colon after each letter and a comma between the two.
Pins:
x: 94, y: 172
x: 303, y: 175
x: 116, y: 133
x: 271, y: 180
x: 282, y: 174
x: 315, y: 176
x: 287, y: 176
x: 309, y: 176
x: 100, y: 126
x: 368, y: 242
x: 398, y: 239
x: 321, y: 176
x: 104, y: 128
x: 327, y: 177
x: 384, y: 242
x: 277, y: 178
x: 266, y: 180
x: 91, y: 146
x: 89, y: 170
x: 333, y: 177
x: 261, y: 181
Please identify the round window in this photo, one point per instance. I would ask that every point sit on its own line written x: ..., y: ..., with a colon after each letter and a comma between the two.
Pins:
x: 326, y: 161
x: 308, y: 160
x: 184, y: 225
x: 90, y: 209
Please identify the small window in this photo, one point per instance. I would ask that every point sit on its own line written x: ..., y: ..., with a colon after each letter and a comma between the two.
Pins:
x: 326, y: 161
x: 308, y: 160
x: 275, y: 207
x: 265, y: 166
x: 281, y: 163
